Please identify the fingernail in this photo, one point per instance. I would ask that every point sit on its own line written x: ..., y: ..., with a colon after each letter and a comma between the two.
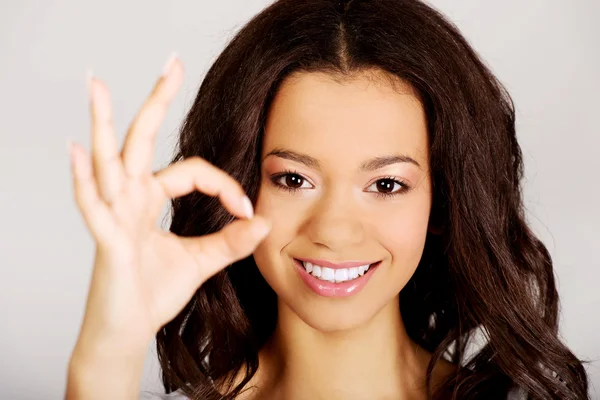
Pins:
x: 169, y: 64
x: 247, y: 205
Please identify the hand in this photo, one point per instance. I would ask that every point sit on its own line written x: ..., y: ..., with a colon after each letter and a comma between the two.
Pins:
x: 143, y: 276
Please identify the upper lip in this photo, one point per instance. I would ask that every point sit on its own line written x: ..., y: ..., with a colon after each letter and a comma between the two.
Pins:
x: 333, y: 265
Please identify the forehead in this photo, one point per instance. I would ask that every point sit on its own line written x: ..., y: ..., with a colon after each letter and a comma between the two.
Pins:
x: 365, y: 115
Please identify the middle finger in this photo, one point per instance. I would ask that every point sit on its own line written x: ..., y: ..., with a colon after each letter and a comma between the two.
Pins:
x: 138, y: 149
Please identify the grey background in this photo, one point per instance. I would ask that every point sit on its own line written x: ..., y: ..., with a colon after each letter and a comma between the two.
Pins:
x: 547, y: 52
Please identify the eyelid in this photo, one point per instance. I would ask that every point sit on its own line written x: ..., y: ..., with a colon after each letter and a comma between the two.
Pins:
x: 397, y: 179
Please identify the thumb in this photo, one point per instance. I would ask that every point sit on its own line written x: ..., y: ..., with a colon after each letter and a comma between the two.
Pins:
x: 235, y: 241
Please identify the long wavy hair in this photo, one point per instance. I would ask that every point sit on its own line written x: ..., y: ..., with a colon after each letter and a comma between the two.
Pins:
x: 485, y: 273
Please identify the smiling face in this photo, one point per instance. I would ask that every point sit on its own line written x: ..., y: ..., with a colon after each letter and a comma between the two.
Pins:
x: 344, y: 178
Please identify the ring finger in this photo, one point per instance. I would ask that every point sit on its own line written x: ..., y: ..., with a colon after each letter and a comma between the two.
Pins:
x: 108, y: 168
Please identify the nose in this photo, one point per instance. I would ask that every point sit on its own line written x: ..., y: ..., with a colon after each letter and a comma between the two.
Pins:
x: 335, y: 222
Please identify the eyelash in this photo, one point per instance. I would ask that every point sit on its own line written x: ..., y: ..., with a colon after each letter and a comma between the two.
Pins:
x: 405, y: 188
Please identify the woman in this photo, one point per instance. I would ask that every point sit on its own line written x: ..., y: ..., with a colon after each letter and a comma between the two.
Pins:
x: 380, y: 158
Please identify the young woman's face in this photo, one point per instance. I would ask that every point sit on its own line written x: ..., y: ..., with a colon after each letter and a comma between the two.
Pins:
x: 344, y: 179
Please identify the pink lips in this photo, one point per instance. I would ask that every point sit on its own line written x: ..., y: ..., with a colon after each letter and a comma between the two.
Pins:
x: 330, y: 289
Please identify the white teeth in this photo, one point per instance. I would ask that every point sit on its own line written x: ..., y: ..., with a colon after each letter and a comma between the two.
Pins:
x: 316, y: 272
x: 327, y: 274
x: 309, y: 267
x: 341, y: 275
x: 335, y: 275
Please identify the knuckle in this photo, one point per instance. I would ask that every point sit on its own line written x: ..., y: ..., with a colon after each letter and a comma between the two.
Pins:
x: 234, y: 185
x: 216, y: 175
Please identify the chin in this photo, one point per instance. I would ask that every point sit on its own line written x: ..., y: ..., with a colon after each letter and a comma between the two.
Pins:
x: 331, y: 317
x: 324, y: 310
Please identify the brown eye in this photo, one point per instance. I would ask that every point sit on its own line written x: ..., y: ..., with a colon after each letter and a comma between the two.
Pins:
x: 289, y: 181
x: 389, y: 187
x: 386, y: 185
x: 293, y: 181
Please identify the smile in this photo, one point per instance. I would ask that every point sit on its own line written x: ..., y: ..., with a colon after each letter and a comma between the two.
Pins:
x: 335, y: 275
x: 335, y: 280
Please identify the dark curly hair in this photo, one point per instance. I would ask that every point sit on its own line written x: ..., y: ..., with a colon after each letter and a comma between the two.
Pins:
x: 484, y: 273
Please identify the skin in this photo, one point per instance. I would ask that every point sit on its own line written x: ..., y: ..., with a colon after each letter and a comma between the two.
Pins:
x: 354, y: 347
x: 322, y: 348
x: 136, y: 288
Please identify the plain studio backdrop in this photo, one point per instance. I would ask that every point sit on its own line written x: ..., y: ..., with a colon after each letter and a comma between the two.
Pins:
x: 547, y: 52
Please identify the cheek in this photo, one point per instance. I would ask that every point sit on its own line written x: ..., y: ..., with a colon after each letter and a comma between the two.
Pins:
x: 285, y: 218
x: 283, y: 213
x: 403, y: 232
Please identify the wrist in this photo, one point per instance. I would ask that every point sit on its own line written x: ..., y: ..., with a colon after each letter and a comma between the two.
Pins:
x: 98, y: 341
x: 93, y: 379
x: 101, y: 368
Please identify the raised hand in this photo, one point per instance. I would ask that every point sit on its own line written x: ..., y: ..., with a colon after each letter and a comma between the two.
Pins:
x: 143, y: 276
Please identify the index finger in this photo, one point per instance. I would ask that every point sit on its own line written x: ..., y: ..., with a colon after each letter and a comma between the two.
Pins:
x: 196, y: 173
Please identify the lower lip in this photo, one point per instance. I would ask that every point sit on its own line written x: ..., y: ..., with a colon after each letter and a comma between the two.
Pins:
x: 330, y: 289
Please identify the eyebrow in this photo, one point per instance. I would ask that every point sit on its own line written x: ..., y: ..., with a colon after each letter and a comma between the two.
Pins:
x: 372, y: 164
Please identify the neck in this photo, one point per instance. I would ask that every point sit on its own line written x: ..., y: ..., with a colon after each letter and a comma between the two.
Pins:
x: 375, y: 360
